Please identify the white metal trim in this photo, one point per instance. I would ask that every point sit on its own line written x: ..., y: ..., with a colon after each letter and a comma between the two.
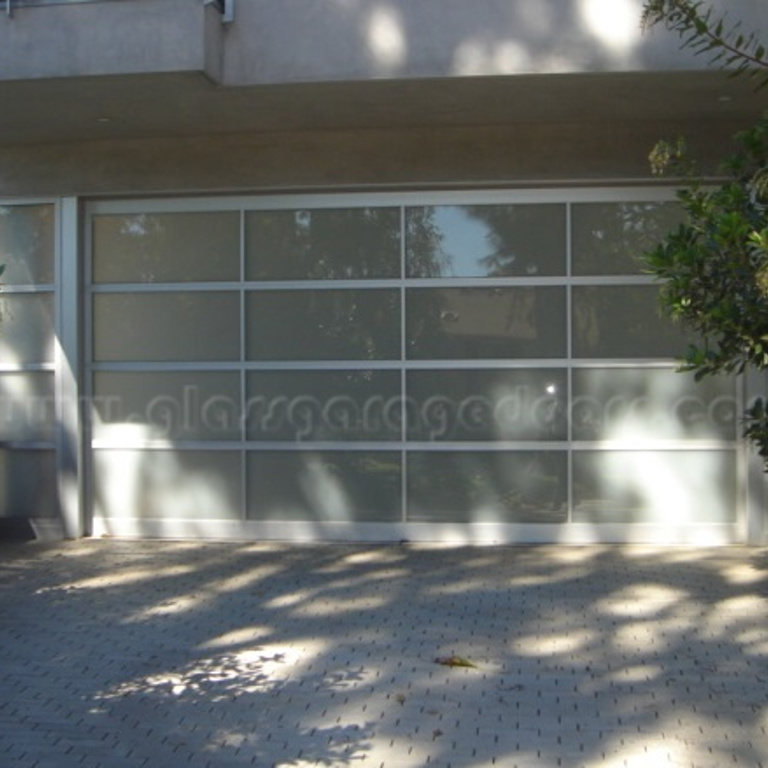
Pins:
x: 462, y: 534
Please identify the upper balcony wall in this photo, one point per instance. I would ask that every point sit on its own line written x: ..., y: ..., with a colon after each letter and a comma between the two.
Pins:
x: 274, y: 41
x: 78, y: 39
x: 291, y: 41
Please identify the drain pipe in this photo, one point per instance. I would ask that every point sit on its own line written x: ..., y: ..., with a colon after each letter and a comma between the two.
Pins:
x: 225, y: 7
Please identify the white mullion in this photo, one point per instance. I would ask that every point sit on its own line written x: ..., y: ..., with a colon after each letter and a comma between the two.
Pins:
x: 512, y: 193
x: 28, y: 367
x: 164, y: 367
x: 569, y: 351
x: 403, y: 372
x: 675, y: 446
x: 148, y: 288
x: 243, y: 374
x: 29, y: 288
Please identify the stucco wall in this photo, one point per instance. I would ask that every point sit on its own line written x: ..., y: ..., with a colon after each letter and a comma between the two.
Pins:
x: 278, y: 41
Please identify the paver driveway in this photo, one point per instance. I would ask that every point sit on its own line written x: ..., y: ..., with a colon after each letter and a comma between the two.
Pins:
x: 117, y: 653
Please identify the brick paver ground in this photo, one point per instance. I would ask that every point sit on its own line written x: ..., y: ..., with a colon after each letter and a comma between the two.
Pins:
x: 116, y: 653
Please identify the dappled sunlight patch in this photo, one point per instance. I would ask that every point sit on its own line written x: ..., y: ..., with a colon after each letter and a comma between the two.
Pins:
x: 239, y: 636
x: 323, y: 744
x: 636, y: 637
x: 455, y: 587
x: 222, y: 677
x: 574, y: 555
x: 641, y: 600
x: 354, y: 581
x: 553, y: 577
x: 245, y: 579
x: 337, y: 605
x: 385, y: 574
x: 613, y: 22
x: 727, y: 615
x: 646, y: 751
x: 382, y: 556
x: 175, y: 604
x: 638, y: 673
x: 130, y: 575
x: 291, y: 599
x: 742, y: 574
x: 555, y: 644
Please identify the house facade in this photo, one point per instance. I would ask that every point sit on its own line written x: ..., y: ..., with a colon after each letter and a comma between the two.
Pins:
x: 356, y: 269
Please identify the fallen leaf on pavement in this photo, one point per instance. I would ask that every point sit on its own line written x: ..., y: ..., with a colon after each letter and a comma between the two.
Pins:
x: 454, y: 661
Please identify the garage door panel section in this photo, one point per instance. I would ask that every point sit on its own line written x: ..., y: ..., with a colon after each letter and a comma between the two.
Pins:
x: 486, y: 323
x: 325, y: 487
x: 651, y: 404
x: 323, y: 244
x: 623, y: 321
x: 465, y: 241
x: 508, y: 404
x: 166, y: 405
x: 168, y: 485
x: 488, y: 486
x: 324, y: 406
x: 315, y: 324
x: 671, y: 488
x: 609, y: 238
x: 166, y: 326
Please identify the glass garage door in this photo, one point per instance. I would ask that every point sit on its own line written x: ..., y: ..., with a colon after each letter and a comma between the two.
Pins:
x: 389, y: 367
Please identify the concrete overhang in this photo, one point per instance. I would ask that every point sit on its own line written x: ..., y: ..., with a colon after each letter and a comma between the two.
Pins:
x: 189, y: 104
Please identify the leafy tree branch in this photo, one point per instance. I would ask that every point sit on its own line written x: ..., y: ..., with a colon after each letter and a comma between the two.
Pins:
x: 714, y: 267
x: 729, y: 45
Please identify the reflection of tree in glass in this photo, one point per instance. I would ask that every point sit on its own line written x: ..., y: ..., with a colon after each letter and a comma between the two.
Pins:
x: 424, y: 242
x: 336, y: 244
x: 26, y: 243
x: 166, y: 247
x: 524, y: 240
x: 611, y: 238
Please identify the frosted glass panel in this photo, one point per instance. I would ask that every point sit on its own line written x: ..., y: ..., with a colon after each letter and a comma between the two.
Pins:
x: 485, y: 240
x: 166, y: 326
x: 325, y: 487
x: 610, y: 238
x: 190, y: 405
x: 28, y: 484
x: 485, y: 487
x: 26, y: 328
x: 324, y: 325
x: 169, y: 485
x: 27, y: 408
x: 27, y: 243
x: 669, y: 488
x: 623, y: 322
x: 636, y: 404
x: 476, y: 323
x: 487, y: 405
x: 344, y: 244
x: 324, y: 405
x: 166, y: 247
